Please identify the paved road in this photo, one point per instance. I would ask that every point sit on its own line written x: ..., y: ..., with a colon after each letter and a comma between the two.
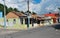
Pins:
x: 5, y: 31
x: 41, y: 32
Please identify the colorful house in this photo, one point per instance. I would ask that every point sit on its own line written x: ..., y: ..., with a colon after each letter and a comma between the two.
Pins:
x: 1, y: 14
x: 15, y: 17
x: 53, y: 17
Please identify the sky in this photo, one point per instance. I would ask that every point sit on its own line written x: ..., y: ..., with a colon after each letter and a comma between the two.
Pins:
x: 38, y: 6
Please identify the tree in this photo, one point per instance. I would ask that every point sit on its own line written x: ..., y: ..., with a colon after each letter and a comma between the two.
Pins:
x: 33, y: 13
x: 59, y: 12
x: 10, y: 9
x: 22, y: 12
x: 2, y: 8
x: 28, y: 12
x: 15, y: 9
x: 59, y: 8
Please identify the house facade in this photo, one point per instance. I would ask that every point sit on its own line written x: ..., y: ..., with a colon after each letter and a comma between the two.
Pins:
x: 15, y: 18
x: 20, y: 18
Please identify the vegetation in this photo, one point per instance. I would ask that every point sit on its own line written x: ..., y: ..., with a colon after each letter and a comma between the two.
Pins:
x: 59, y: 8
x: 33, y: 13
x: 12, y: 9
x: 7, y: 9
x: 2, y: 8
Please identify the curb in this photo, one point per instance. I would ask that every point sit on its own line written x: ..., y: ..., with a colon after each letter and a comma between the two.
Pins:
x: 26, y: 28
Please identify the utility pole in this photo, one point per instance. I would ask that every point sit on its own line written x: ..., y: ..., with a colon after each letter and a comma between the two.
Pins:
x: 28, y: 18
x: 4, y: 15
x: 28, y: 5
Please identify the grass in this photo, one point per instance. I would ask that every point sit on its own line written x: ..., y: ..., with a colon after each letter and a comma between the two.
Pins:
x: 17, y: 27
x: 1, y: 19
x: 1, y: 26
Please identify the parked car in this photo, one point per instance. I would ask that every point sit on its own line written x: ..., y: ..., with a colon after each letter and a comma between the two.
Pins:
x: 57, y: 26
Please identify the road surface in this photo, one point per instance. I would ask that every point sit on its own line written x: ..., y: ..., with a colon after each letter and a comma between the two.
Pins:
x: 40, y: 32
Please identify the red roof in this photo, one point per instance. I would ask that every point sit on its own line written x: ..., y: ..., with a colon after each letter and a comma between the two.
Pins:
x: 51, y: 15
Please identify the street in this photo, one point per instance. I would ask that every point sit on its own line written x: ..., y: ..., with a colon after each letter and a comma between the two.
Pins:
x: 40, y: 32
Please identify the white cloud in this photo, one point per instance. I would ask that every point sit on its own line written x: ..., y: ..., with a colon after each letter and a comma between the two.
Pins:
x: 35, y: 7
x: 51, y: 7
x: 23, y: 5
x: 56, y: 10
x: 1, y: 1
x: 43, y: 6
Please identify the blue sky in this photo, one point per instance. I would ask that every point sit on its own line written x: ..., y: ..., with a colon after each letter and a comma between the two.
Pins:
x: 38, y: 6
x: 37, y: 1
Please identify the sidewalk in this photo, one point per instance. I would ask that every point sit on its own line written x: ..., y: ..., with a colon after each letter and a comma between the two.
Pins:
x: 16, y: 28
x: 4, y: 31
x: 10, y: 30
x: 7, y: 31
